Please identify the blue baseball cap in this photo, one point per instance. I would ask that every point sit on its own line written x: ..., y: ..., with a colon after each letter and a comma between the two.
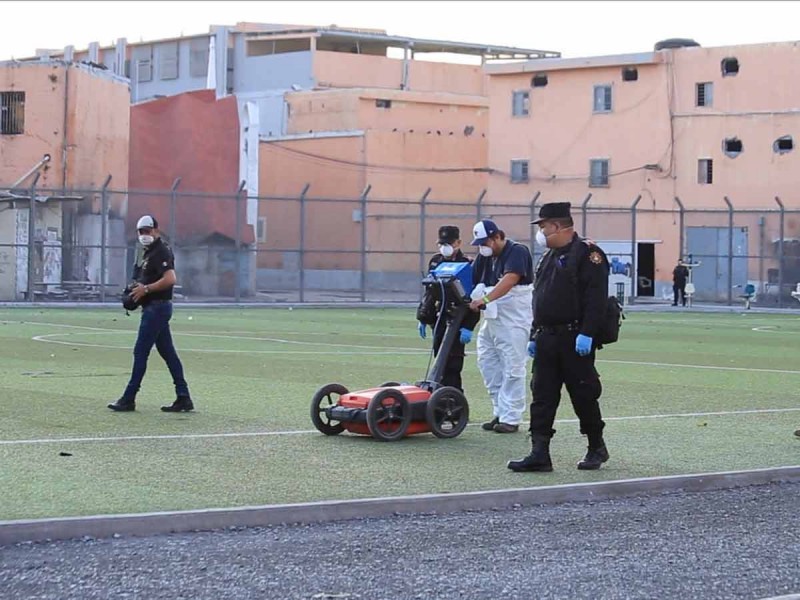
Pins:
x: 482, y: 230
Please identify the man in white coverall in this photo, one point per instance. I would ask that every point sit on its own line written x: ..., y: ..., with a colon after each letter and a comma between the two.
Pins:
x: 503, y: 276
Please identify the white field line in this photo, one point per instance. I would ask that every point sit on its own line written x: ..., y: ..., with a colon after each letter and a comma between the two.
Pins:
x: 372, y: 350
x: 184, y: 436
x: 709, y: 367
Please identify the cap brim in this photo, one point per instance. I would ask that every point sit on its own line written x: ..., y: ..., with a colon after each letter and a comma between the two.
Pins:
x: 537, y: 221
x: 478, y: 241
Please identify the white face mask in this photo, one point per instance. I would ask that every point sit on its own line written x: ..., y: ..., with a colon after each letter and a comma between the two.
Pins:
x: 541, y: 239
x: 485, y: 251
x: 446, y: 250
x: 146, y: 240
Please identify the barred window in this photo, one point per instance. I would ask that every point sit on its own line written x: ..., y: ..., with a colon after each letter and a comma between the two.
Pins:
x: 519, y: 171
x: 12, y: 113
x: 598, y: 172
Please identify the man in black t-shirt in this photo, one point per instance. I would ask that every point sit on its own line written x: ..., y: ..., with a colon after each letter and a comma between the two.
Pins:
x: 153, y: 292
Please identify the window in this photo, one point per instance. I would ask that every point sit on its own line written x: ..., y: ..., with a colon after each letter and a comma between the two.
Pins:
x: 598, y: 172
x: 730, y: 66
x: 12, y: 113
x: 602, y: 98
x: 144, y: 69
x: 168, y: 60
x: 382, y: 103
x: 520, y: 103
x: 732, y: 147
x: 519, y: 171
x: 705, y: 170
x: 783, y: 144
x: 705, y: 94
x: 539, y: 80
x: 261, y: 229
x: 630, y: 74
x: 198, y: 57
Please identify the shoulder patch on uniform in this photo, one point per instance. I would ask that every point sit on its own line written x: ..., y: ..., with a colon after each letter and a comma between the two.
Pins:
x: 595, y: 257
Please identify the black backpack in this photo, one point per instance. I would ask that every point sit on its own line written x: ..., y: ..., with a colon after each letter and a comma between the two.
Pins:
x: 612, y: 322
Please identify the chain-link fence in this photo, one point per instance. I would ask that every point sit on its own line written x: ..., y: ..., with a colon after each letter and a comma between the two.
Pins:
x: 81, y: 244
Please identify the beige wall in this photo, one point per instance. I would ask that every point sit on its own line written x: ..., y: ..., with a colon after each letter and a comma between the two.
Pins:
x: 99, y: 132
x: 399, y: 151
x: 97, y: 123
x: 43, y: 85
x: 341, y: 70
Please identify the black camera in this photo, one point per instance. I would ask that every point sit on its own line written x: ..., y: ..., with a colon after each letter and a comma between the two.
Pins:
x: 128, y: 303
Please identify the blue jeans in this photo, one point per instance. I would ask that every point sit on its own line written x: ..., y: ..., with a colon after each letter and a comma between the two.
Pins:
x: 154, y: 330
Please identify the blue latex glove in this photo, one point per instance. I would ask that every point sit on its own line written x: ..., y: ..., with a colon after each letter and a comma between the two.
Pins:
x: 466, y: 335
x: 583, y: 344
x: 421, y: 328
x: 532, y: 349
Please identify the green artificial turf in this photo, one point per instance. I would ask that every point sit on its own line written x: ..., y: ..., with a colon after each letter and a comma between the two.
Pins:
x: 255, y: 370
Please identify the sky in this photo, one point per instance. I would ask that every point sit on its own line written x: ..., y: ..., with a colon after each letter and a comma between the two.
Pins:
x: 574, y: 28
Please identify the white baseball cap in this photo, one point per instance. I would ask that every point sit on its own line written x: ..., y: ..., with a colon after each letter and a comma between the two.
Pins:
x: 147, y: 222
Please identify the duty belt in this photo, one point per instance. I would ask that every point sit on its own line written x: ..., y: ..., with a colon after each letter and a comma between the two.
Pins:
x: 563, y: 328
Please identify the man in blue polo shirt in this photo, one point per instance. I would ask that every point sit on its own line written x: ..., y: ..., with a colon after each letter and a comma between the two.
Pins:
x: 503, y: 274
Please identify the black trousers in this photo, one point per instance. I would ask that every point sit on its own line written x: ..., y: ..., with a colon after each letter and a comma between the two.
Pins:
x: 558, y: 364
x: 455, y: 360
x: 676, y: 288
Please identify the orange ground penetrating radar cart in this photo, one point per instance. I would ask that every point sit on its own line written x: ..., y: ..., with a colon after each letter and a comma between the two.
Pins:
x: 392, y: 410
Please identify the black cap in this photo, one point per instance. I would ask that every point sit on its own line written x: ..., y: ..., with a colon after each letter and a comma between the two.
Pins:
x: 448, y: 234
x: 553, y: 210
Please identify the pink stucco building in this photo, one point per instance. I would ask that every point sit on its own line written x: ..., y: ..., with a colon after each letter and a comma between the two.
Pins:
x: 692, y: 123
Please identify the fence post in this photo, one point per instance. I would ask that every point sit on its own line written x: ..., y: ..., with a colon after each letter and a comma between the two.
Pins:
x: 634, y: 262
x: 31, y: 233
x: 303, y: 241
x: 422, y: 211
x: 780, y: 251
x: 239, y: 203
x: 173, y: 202
x: 479, y: 205
x: 584, y: 213
x: 533, y: 227
x: 681, y: 217
x: 103, y: 236
x: 363, y: 200
x: 730, y: 250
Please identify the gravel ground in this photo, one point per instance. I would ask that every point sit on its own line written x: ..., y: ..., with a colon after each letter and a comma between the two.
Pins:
x: 740, y: 543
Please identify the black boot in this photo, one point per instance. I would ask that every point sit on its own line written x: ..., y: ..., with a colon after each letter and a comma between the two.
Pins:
x: 596, y: 455
x: 123, y: 405
x: 489, y: 425
x: 539, y: 458
x: 181, y: 404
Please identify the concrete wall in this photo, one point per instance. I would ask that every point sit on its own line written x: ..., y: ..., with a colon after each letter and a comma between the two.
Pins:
x: 185, y: 82
x: 166, y: 143
x: 269, y: 72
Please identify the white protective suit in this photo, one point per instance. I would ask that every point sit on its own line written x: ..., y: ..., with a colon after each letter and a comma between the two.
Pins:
x: 503, y: 350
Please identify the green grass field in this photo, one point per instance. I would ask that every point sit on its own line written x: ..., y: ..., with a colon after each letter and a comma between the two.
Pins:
x: 253, y: 371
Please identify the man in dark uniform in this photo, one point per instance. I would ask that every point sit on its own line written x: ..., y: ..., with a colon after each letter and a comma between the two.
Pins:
x: 153, y: 291
x: 449, y: 243
x: 569, y: 300
x: 679, y: 276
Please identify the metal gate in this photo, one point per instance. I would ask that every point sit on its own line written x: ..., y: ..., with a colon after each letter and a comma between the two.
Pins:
x: 720, y: 271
